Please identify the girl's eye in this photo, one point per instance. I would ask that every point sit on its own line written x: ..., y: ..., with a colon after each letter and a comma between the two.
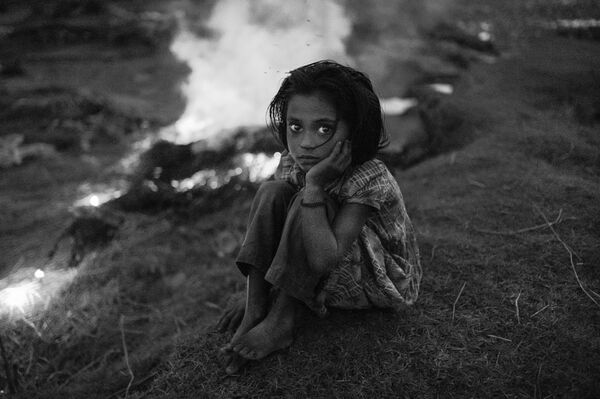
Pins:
x: 326, y: 130
x: 295, y: 128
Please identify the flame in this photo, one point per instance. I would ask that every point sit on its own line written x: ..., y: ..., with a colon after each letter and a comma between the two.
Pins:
x: 23, y: 292
x: 20, y: 297
x: 443, y: 88
x: 260, y: 166
x: 251, y: 167
x: 397, y: 106
x: 97, y: 199
x: 235, y: 74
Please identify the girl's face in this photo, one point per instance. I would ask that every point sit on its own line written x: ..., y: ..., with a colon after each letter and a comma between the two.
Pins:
x: 313, y: 129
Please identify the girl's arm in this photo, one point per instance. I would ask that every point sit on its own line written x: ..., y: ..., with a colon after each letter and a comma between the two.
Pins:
x: 326, y: 243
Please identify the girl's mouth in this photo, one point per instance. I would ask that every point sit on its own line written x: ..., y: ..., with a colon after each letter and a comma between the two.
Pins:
x: 307, y: 158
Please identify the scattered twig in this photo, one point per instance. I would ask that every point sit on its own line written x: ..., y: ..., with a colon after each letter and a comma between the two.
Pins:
x: 456, y: 300
x: 121, y: 322
x: 571, y: 253
x: 30, y: 362
x: 537, y: 383
x: 475, y: 183
x: 540, y: 311
x: 523, y: 230
x: 500, y: 338
x: 517, y: 307
x: 432, y: 253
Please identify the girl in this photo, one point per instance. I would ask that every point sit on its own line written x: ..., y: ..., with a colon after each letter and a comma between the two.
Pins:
x: 331, y: 230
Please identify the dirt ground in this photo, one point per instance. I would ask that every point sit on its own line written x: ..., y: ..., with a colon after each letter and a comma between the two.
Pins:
x: 506, y: 204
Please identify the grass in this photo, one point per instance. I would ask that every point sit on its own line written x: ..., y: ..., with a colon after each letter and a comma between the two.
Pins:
x: 501, y: 313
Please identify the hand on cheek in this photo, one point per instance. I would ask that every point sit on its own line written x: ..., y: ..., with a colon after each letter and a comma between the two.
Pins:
x: 331, y: 167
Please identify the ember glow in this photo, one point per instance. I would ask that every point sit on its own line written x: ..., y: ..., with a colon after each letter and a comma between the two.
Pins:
x: 95, y: 195
x: 235, y: 72
x: 250, y: 167
x: 443, y: 88
x: 397, y: 106
x: 20, y: 297
x: 97, y: 199
x: 26, y: 291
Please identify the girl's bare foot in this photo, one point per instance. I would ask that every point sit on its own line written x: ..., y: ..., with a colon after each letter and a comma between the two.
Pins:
x: 255, y: 309
x: 273, y: 333
x: 234, y: 362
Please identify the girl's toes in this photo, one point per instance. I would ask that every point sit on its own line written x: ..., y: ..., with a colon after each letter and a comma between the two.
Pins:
x: 245, y: 352
x: 237, y: 348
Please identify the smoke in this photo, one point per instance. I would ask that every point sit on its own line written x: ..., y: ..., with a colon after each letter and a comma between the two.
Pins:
x: 236, y: 72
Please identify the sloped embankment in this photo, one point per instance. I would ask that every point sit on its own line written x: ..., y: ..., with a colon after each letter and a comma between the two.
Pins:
x: 508, y: 230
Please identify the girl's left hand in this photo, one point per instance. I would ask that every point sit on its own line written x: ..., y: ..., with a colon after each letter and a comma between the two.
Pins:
x: 331, y: 167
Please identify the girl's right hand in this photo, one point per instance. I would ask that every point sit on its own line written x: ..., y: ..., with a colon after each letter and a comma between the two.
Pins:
x: 331, y: 167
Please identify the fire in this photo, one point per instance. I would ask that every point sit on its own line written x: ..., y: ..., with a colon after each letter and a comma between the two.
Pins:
x: 95, y: 195
x: 443, y: 88
x: 19, y: 297
x: 24, y: 292
x: 236, y: 72
x: 97, y: 199
x: 260, y: 166
x: 251, y: 167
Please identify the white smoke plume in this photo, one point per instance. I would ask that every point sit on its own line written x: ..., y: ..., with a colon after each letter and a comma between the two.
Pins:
x: 235, y: 73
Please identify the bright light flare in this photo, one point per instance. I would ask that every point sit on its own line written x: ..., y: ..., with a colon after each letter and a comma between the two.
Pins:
x: 97, y: 199
x: 397, y: 106
x: 484, y: 36
x: 20, y: 297
x: 443, y: 88
x: 578, y: 23
x: 260, y: 166
x: 22, y: 293
x: 251, y: 167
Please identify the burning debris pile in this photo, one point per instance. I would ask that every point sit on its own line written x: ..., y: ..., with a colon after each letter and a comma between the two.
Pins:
x: 200, y: 177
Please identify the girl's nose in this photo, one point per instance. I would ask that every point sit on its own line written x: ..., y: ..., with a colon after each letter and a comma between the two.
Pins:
x: 308, y: 140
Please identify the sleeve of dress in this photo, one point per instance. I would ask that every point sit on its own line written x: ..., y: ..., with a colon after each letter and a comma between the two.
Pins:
x: 369, y: 184
x: 284, y: 169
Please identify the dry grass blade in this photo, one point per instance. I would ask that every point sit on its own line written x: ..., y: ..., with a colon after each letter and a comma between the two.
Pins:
x: 540, y: 311
x: 500, y: 338
x: 525, y: 229
x: 456, y: 300
x: 517, y: 307
x: 570, y: 251
x: 121, y: 322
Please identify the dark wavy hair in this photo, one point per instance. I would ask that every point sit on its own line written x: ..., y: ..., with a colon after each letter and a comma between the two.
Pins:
x: 350, y: 92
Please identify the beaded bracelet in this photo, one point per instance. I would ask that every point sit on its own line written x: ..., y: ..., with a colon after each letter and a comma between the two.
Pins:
x: 312, y: 204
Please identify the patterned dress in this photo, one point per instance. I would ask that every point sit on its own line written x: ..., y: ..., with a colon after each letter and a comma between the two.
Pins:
x: 382, y: 268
